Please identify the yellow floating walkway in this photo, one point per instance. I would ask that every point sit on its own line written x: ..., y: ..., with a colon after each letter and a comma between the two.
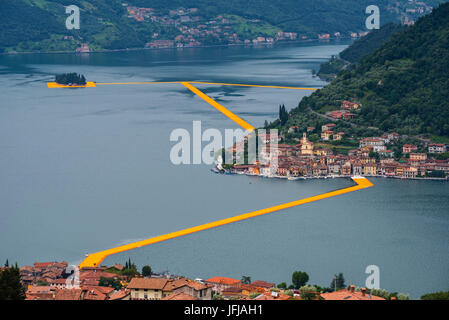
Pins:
x: 252, y: 85
x: 93, y: 84
x: 219, y: 107
x: 95, y: 259
x: 198, y: 92
x: 211, y: 83
x: 89, y: 84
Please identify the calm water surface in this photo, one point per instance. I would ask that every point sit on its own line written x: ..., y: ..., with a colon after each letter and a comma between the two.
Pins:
x: 88, y: 169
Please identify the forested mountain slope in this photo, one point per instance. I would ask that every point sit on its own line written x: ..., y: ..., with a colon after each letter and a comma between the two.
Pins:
x: 356, y: 51
x: 402, y: 86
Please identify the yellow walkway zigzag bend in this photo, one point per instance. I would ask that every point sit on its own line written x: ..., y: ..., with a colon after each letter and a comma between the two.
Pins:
x: 95, y: 259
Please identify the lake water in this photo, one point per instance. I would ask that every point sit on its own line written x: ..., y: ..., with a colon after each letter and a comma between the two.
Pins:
x: 83, y: 170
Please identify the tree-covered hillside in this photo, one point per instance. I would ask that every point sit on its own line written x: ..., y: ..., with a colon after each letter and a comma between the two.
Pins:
x: 370, y: 42
x: 356, y: 51
x: 39, y: 25
x: 402, y: 86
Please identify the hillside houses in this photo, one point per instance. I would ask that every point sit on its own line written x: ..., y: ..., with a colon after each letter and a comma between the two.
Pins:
x: 341, y: 114
x: 407, y: 148
x: 437, y: 148
x: 348, y: 105
x: 196, y: 29
x: 376, y: 143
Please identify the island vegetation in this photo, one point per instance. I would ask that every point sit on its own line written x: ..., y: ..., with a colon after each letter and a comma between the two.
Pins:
x: 71, y: 79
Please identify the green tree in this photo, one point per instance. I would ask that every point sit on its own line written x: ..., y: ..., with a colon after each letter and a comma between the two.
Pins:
x: 254, y: 295
x: 130, y: 269
x: 436, y: 296
x: 10, y: 285
x: 282, y: 285
x: 70, y: 78
x: 299, y: 279
x: 443, y: 156
x: 146, y: 271
x: 283, y: 115
x: 308, y: 292
x: 338, y: 282
x: 106, y: 282
x: 246, y: 279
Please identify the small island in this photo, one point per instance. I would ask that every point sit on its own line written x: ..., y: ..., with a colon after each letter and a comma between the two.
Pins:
x: 71, y: 79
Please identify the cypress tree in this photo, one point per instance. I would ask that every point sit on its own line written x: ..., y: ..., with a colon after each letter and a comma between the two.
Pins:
x: 10, y: 285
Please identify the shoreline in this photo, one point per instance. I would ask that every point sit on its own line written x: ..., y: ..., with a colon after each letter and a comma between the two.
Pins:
x: 336, y: 177
x: 176, y: 48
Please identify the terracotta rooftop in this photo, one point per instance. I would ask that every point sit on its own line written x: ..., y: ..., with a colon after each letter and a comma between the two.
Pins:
x: 59, y: 281
x: 68, y: 294
x: 147, y: 283
x: 118, y: 295
x: 43, y: 265
x: 96, y: 293
x: 349, y: 294
x: 118, y: 266
x: 263, y: 284
x: 39, y: 289
x: 92, y: 274
x: 174, y: 284
x: 223, y: 280
x: 39, y: 296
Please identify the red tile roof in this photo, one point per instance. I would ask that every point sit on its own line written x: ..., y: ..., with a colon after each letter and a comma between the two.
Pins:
x: 39, y: 296
x: 39, y: 289
x: 96, y: 293
x: 223, y: 280
x: 119, y: 295
x: 263, y: 284
x: 43, y: 265
x: 347, y: 294
x: 68, y: 294
x: 59, y: 281
x: 147, y: 283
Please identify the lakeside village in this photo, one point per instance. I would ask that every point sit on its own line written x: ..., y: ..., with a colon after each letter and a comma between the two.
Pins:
x: 374, y: 156
x: 49, y: 281
x: 224, y: 29
x: 192, y: 30
x: 220, y: 29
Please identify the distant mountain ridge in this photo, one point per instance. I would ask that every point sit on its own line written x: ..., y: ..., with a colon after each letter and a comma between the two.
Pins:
x: 39, y: 25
